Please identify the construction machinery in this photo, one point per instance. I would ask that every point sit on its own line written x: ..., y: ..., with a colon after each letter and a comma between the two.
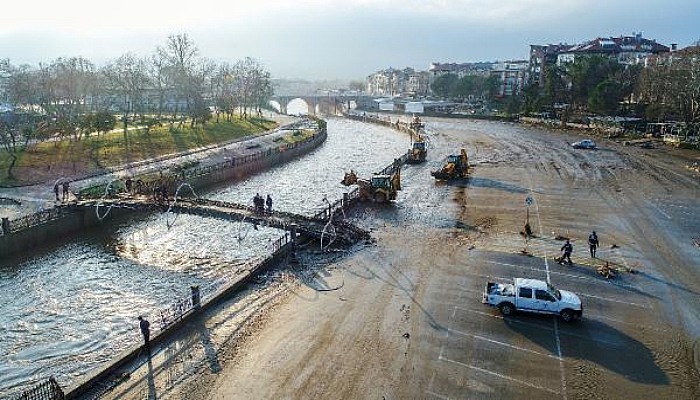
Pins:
x: 416, y: 124
x: 380, y: 188
x: 418, y: 151
x: 454, y: 167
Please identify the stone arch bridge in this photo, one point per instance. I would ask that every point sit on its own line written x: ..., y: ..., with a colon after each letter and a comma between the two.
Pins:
x: 329, y: 103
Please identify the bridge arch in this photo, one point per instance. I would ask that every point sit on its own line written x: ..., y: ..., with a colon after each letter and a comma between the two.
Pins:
x: 276, y: 106
x: 300, y: 106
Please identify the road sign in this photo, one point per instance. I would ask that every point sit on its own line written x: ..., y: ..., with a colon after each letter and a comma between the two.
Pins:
x: 528, y: 201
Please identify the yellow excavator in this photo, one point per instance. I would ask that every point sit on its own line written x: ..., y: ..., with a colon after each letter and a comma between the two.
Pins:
x: 454, y: 167
x: 379, y: 188
x: 418, y: 151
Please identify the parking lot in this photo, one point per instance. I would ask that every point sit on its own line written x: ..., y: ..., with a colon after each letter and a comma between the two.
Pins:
x: 624, y: 347
x: 402, y: 317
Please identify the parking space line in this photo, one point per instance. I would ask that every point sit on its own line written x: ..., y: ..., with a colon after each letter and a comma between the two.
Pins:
x: 542, y: 327
x: 496, y: 374
x: 561, y: 362
x: 573, y: 276
x: 504, y: 344
x: 449, y: 324
x: 556, y: 326
x: 472, y: 205
x: 598, y: 316
x: 630, y: 303
x: 439, y: 396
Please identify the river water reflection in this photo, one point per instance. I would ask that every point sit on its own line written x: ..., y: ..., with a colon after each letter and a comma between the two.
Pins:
x: 69, y: 309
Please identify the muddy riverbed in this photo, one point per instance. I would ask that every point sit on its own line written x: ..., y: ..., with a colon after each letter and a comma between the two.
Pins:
x: 402, y: 317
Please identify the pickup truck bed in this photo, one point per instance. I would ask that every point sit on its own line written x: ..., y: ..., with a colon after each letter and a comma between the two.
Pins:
x: 532, y: 295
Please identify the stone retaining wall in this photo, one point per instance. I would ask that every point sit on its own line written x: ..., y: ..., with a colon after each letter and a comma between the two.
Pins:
x: 18, y: 236
x: 122, y: 361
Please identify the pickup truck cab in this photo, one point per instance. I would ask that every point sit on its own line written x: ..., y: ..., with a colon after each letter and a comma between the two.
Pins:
x: 532, y: 295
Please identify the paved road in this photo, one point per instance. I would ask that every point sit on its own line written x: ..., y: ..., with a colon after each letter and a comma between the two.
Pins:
x: 403, y: 318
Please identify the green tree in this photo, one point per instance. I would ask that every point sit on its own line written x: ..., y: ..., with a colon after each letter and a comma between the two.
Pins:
x: 605, y: 98
x: 15, y: 135
x: 103, y: 121
x: 585, y: 73
x: 443, y: 86
x: 532, y: 99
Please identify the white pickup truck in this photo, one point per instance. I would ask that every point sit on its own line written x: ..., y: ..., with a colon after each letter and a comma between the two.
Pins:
x: 532, y: 295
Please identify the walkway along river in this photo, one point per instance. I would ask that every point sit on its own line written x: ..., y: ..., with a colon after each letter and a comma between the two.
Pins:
x: 58, y: 309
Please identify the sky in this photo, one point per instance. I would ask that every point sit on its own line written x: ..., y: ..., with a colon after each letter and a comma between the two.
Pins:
x: 332, y: 39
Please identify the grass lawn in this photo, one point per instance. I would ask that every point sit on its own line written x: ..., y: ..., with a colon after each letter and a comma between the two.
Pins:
x: 48, y: 161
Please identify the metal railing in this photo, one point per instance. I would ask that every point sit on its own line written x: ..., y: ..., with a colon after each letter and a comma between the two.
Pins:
x: 38, y: 218
x: 337, y: 205
x: 147, y: 186
x: 182, y: 306
x: 47, y: 390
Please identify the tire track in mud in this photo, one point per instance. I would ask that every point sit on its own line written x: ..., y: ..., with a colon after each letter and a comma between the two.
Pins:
x: 671, y: 352
x: 621, y: 181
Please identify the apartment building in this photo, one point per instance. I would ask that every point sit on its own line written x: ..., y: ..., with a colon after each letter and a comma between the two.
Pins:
x: 392, y: 82
x: 634, y: 49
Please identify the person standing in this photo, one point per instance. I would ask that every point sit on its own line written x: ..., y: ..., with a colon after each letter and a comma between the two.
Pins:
x: 55, y: 191
x: 593, y: 243
x: 66, y: 191
x: 268, y: 202
x: 259, y: 203
x: 567, y: 248
x: 129, y: 183
x: 145, y: 327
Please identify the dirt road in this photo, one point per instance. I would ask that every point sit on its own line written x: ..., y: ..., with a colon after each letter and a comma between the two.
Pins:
x: 402, y: 317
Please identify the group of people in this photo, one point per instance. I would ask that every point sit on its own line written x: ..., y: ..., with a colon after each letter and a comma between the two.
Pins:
x: 262, y: 204
x: 66, y: 190
x: 568, y: 248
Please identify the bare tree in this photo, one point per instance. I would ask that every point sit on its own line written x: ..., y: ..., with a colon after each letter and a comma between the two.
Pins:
x: 180, y: 56
x: 161, y: 80
x: 672, y: 84
x: 127, y: 82
x: 251, y: 81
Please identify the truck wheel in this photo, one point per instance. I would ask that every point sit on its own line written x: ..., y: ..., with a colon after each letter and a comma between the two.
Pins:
x: 506, y: 308
x: 567, y: 315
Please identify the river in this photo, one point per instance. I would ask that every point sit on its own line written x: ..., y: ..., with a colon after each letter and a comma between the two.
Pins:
x: 68, y: 309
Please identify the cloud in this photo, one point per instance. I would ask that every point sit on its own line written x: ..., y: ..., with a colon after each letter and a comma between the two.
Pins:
x: 333, y: 38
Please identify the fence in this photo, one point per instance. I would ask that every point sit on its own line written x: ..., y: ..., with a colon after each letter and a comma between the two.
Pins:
x: 146, y: 185
x: 391, y: 168
x: 182, y: 306
x: 169, y: 181
x: 47, y: 390
x: 30, y: 220
x: 339, y: 204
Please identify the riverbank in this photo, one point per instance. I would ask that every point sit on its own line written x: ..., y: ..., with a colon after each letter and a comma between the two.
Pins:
x: 29, y: 199
x: 150, y: 261
x: 403, y: 318
x: 207, y: 167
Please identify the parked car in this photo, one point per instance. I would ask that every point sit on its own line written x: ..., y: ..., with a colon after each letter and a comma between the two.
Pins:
x: 534, y: 296
x: 584, y: 144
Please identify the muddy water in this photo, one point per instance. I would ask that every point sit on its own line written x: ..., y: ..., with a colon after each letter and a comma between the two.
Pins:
x: 66, y: 311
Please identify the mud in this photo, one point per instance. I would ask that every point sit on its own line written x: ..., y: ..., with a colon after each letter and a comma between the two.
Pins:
x: 402, y: 317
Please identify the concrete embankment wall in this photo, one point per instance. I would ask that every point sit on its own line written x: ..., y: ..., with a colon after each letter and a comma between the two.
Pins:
x: 112, y: 371
x: 382, y: 120
x: 46, y: 227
